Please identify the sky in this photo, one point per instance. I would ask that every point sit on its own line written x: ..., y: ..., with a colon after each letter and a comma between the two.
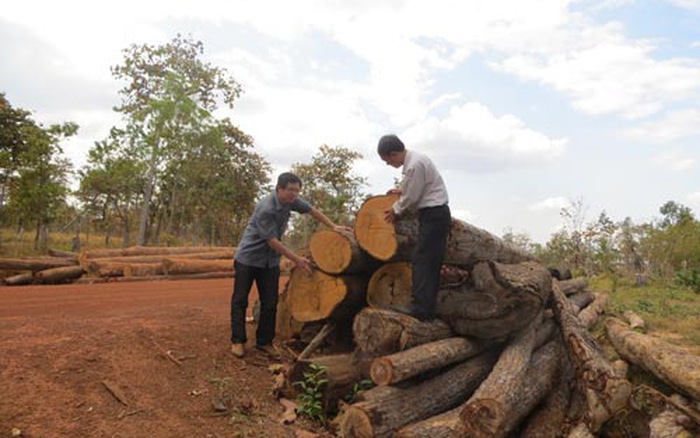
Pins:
x: 525, y: 106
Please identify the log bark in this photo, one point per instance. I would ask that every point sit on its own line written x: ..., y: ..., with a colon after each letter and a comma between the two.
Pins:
x: 19, y: 279
x: 582, y: 299
x: 674, y: 365
x: 385, y: 332
x: 499, y: 299
x: 338, y: 253
x: 34, y: 264
x: 63, y: 254
x: 593, y: 311
x: 145, y: 269
x: 397, y: 367
x: 286, y: 327
x: 635, y: 321
x: 160, y: 258
x: 483, y: 414
x: 466, y: 244
x: 605, y: 392
x: 652, y: 402
x: 666, y: 425
x: 445, y: 425
x: 205, y: 276
x: 575, y: 285
x: 149, y: 250
x: 65, y: 274
x: 317, y: 296
x: 186, y: 266
x: 388, y: 408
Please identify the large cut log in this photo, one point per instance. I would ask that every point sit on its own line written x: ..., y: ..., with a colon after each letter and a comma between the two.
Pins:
x: 34, y: 264
x: 666, y: 425
x: 339, y: 253
x: 635, y: 321
x: 392, y: 284
x: 60, y: 275
x: 582, y: 299
x: 19, y: 279
x: 466, y: 244
x: 592, y: 312
x: 149, y: 250
x: 160, y: 258
x: 63, y: 254
x: 498, y: 300
x: 148, y: 269
x: 397, y: 367
x: 605, y: 392
x: 674, y: 365
x: 384, y: 332
x: 385, y: 409
x: 445, y: 425
x: 483, y: 414
x: 573, y: 286
x: 538, y: 381
x: 317, y: 296
x: 286, y: 326
x: 186, y: 266
x: 652, y: 402
x: 97, y: 268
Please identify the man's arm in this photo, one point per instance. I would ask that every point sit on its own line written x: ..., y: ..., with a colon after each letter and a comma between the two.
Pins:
x: 299, y: 262
x: 316, y: 214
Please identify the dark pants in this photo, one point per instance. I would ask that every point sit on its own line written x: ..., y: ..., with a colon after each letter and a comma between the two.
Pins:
x: 267, y: 281
x: 433, y: 229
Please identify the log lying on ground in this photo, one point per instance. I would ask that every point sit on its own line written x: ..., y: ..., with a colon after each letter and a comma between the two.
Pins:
x: 466, y: 244
x: 385, y: 409
x: 497, y: 301
x: 575, y: 285
x: 385, y: 332
x: 63, y: 254
x: 160, y: 258
x: 149, y: 250
x: 652, y: 402
x: 666, y: 425
x: 582, y: 299
x: 186, y: 266
x: 97, y: 268
x: 148, y: 269
x: 34, y: 264
x: 19, y: 279
x: 397, y: 367
x: 338, y: 253
x: 483, y: 414
x: 592, y: 312
x: 605, y: 392
x: 445, y: 425
x: 674, y: 365
x: 60, y: 275
x: 317, y: 296
x: 635, y: 321
x: 109, y: 279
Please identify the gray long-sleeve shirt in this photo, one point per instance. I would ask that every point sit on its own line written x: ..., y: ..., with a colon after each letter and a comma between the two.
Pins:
x: 422, y: 186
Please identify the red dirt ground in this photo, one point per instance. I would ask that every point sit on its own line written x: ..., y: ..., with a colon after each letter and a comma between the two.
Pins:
x: 62, y: 346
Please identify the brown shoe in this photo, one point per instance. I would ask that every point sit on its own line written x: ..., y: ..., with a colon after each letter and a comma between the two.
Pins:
x: 238, y: 350
x: 270, y: 350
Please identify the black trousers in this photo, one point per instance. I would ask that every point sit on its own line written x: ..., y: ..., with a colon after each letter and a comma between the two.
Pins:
x: 267, y: 281
x: 433, y: 229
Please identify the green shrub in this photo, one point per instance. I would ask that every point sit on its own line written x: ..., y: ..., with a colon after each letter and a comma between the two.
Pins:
x: 311, y: 397
x: 689, y: 278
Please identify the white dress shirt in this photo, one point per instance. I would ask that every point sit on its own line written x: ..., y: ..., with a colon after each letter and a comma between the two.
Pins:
x: 422, y: 186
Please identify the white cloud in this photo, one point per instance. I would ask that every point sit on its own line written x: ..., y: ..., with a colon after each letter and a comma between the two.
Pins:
x: 554, y: 203
x: 693, y: 5
x: 672, y: 126
x: 675, y: 162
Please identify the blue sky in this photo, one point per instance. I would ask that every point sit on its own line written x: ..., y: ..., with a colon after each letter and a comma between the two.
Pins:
x: 525, y: 106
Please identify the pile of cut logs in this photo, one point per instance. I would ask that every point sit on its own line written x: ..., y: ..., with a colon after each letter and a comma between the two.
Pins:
x: 126, y: 264
x: 510, y: 353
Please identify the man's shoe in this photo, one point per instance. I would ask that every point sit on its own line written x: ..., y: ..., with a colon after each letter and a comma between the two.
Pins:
x: 238, y: 350
x: 270, y: 350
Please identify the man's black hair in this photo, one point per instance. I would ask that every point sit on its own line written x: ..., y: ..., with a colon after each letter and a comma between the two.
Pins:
x: 287, y: 178
x: 388, y: 144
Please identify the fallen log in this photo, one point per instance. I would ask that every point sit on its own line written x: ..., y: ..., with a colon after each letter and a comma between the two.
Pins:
x: 160, y: 258
x: 674, y: 365
x: 60, y: 275
x: 339, y: 253
x: 652, y: 402
x: 34, y: 264
x: 445, y: 425
x: 146, y: 269
x: 605, y: 392
x: 385, y: 409
x: 63, y: 254
x: 205, y: 276
x: 582, y: 299
x: 667, y: 425
x: 592, y: 312
x: 498, y: 300
x: 384, y: 332
x: 483, y: 414
x: 186, y: 266
x: 317, y: 296
x: 575, y: 285
x: 19, y: 279
x: 397, y: 367
x: 466, y: 244
x: 635, y: 321
x: 149, y: 250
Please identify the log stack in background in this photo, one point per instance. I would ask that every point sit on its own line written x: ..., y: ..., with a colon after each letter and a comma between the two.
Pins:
x: 509, y: 354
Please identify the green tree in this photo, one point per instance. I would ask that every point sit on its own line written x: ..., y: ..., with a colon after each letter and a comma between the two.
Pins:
x: 168, y: 101
x: 330, y: 185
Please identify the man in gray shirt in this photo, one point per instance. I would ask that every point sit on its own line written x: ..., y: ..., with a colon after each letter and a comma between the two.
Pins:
x: 422, y: 189
x: 258, y: 258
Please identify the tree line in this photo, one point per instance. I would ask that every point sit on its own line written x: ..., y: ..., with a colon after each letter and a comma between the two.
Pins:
x: 173, y: 173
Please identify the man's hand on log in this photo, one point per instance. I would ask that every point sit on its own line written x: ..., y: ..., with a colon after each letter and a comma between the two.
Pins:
x: 343, y: 229
x: 304, y: 264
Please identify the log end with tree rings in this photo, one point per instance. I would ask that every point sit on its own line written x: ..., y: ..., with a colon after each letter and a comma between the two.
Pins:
x: 381, y: 371
x: 373, y: 233
x: 356, y: 423
x: 331, y: 251
x: 391, y: 285
x: 313, y: 297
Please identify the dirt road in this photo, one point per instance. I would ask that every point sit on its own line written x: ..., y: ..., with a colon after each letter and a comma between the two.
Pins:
x: 130, y: 360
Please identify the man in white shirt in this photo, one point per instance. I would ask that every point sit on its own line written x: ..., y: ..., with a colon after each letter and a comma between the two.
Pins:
x: 422, y: 189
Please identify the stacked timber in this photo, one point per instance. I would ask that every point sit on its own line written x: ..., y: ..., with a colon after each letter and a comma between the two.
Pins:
x: 510, y: 352
x: 124, y: 264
